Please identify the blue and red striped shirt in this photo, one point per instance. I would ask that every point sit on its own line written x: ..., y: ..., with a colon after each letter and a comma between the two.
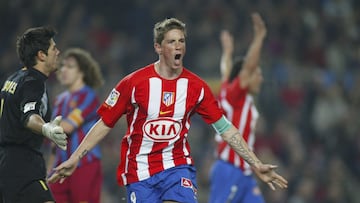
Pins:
x: 79, y: 109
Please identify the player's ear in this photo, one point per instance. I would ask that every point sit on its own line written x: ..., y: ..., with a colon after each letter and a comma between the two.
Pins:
x: 41, y: 55
x: 157, y: 48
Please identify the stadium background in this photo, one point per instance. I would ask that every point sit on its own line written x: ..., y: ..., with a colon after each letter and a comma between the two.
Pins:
x: 309, y: 101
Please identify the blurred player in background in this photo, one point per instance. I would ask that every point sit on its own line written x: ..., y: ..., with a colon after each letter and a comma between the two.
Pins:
x: 231, y: 176
x: 24, y: 120
x: 158, y: 101
x: 80, y: 74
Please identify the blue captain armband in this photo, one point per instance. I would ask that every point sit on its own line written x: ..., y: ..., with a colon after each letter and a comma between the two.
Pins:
x: 222, y: 125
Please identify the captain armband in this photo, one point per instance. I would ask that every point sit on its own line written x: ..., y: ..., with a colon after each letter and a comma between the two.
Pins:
x: 222, y: 125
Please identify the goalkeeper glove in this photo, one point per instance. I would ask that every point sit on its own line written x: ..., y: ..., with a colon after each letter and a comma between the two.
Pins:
x: 54, y: 132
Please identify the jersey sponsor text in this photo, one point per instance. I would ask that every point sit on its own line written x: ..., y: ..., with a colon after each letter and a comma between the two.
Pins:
x: 162, y: 129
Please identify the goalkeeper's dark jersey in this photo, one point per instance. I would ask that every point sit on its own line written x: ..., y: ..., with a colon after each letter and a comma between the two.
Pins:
x: 23, y: 94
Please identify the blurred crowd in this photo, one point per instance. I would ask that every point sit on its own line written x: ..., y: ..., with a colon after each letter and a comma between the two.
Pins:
x: 309, y: 105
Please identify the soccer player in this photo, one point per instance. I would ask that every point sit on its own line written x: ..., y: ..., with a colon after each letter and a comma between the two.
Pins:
x: 231, y: 176
x: 24, y: 120
x: 80, y: 74
x: 158, y: 101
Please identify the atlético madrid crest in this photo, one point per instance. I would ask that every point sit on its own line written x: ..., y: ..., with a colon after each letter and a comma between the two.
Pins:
x: 168, y: 98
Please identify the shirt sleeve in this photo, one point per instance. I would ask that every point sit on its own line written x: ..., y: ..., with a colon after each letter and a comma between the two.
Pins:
x: 31, y: 99
x: 116, y: 103
x: 208, y: 107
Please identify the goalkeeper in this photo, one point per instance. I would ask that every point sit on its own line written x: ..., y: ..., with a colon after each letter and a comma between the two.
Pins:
x: 25, y: 120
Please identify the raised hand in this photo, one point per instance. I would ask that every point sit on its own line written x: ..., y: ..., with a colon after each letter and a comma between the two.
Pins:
x: 258, y: 25
x: 227, y: 41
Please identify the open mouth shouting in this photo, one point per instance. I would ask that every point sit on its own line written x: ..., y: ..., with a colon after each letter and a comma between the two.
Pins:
x: 177, y: 59
x: 177, y: 56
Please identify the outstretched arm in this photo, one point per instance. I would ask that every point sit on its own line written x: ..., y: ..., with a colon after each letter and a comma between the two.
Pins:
x: 232, y: 136
x: 51, y: 130
x: 93, y: 137
x: 265, y: 172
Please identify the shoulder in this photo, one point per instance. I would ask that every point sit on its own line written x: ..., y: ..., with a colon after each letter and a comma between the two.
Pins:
x: 87, y: 90
x: 32, y: 77
x: 193, y: 78
x: 140, y: 74
x: 24, y: 78
x: 63, y: 95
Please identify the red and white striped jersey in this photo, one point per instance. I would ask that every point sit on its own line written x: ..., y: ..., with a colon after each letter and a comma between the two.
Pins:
x: 239, y: 108
x: 158, y: 115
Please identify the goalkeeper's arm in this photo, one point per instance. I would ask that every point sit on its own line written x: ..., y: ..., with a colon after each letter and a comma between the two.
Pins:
x: 52, y: 130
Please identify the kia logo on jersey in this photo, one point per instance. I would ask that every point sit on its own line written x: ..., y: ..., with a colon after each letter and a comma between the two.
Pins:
x: 162, y: 129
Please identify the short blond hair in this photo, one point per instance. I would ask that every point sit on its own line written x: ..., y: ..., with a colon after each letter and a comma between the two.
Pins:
x: 162, y: 27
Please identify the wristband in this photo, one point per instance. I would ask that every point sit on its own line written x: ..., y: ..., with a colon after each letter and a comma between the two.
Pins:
x: 222, y: 125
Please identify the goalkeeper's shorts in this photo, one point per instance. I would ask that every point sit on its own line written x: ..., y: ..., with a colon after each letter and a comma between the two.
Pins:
x: 22, y: 176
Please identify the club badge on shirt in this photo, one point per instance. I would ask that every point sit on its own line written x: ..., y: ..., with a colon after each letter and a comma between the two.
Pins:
x: 112, y: 98
x: 29, y: 106
x: 168, y: 98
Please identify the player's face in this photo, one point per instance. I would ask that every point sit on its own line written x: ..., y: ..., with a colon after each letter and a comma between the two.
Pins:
x: 69, y: 72
x: 172, y: 49
x: 256, y: 81
x: 52, y: 55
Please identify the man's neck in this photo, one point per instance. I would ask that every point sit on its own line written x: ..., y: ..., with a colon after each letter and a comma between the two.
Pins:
x: 167, y: 72
x: 76, y: 86
x: 42, y: 69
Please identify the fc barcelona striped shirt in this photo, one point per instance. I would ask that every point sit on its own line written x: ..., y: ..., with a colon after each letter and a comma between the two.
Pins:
x: 79, y: 109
